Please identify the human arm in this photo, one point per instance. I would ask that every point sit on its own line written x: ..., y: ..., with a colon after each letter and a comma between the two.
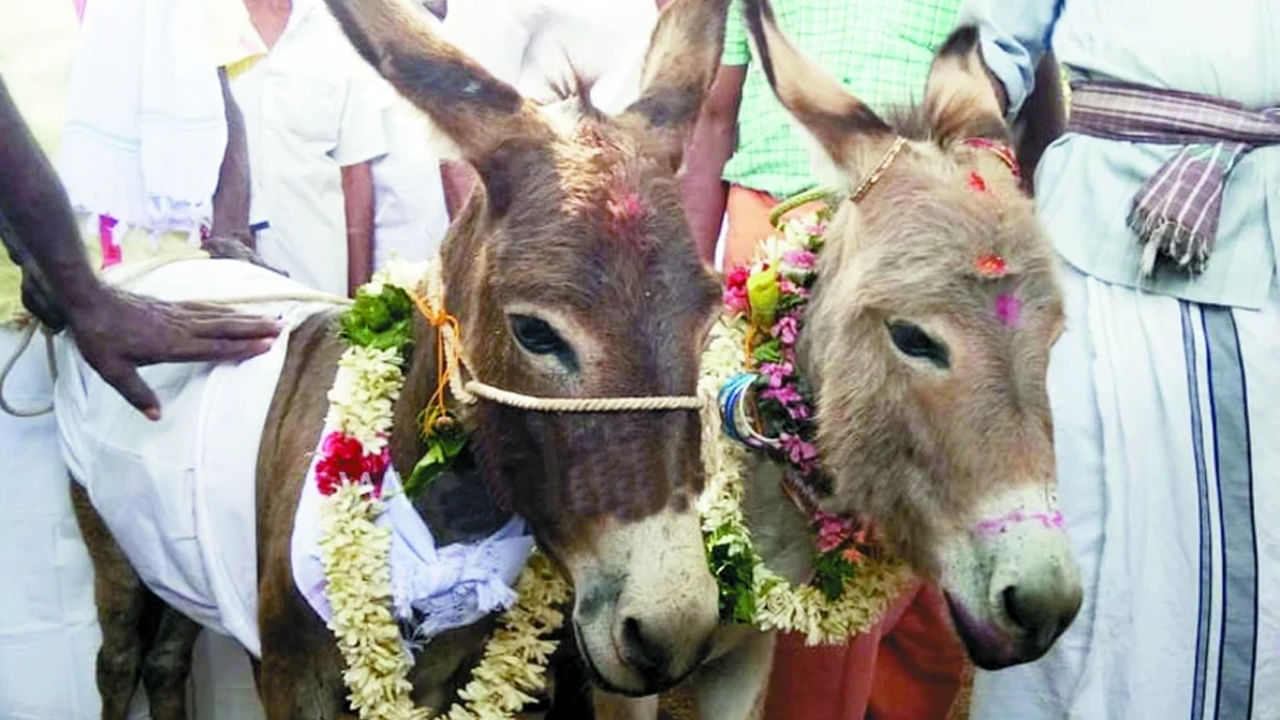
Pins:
x: 710, y: 146
x: 1015, y: 34
x: 116, y: 332
x: 231, y: 196
x: 1042, y: 118
x: 459, y: 180
x: 357, y: 196
x: 362, y: 139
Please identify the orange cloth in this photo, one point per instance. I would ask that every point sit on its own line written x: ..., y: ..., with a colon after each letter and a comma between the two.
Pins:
x: 911, y: 666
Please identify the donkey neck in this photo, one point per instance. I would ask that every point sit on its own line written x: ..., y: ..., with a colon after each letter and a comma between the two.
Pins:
x: 456, y: 506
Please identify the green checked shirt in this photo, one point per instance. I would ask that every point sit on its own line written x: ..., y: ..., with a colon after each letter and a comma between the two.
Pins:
x: 879, y: 49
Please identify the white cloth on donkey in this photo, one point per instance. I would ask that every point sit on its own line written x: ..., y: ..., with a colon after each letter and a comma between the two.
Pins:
x: 179, y: 494
x: 433, y: 588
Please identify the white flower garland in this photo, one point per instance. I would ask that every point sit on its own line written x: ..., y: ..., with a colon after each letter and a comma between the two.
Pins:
x: 778, y: 605
x: 356, y: 557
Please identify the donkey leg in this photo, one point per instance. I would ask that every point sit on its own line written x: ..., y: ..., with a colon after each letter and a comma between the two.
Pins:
x: 300, y: 674
x: 733, y: 687
x: 122, y: 602
x: 167, y: 665
x: 616, y: 707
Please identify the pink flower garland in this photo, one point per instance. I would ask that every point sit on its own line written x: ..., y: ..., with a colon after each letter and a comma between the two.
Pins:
x: 775, y: 309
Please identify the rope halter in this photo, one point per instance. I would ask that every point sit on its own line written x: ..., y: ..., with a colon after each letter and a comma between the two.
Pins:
x: 451, y: 363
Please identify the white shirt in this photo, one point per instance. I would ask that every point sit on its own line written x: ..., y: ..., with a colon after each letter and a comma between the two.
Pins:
x: 309, y: 111
x: 536, y: 45
x: 410, y: 218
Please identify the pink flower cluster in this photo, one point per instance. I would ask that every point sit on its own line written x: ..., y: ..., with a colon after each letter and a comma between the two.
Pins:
x: 800, y: 452
x: 795, y: 272
x: 834, y: 531
x: 342, y: 459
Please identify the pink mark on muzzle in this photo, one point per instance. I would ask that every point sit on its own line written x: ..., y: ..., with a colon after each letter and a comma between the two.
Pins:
x: 1052, y: 520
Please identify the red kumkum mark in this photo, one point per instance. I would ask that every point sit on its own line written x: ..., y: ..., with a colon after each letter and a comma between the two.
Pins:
x: 991, y: 266
x: 976, y: 182
x: 624, y: 211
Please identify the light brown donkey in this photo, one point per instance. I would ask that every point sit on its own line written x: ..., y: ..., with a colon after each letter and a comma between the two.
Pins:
x: 572, y: 275
x: 926, y: 344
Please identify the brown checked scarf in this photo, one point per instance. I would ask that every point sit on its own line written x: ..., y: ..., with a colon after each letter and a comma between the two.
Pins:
x: 1175, y: 212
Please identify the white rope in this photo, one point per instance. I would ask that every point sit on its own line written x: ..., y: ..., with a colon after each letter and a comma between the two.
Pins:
x: 584, y: 405
x: 470, y: 391
x: 23, y: 344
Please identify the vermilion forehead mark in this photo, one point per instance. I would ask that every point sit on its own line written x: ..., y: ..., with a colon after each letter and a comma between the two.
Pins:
x: 624, y: 209
x: 992, y: 266
x: 977, y: 182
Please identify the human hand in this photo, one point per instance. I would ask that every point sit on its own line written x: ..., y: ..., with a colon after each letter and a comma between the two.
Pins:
x: 120, y: 332
x: 227, y: 247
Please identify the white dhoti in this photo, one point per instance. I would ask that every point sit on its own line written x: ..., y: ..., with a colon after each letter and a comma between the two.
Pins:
x: 1167, y: 430
x: 49, y: 633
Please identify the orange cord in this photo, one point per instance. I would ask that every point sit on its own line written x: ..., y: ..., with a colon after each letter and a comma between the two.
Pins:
x: 438, y: 319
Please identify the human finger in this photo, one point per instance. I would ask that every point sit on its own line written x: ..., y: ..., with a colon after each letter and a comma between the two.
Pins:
x: 202, y: 349
x: 235, y: 327
x: 126, y: 380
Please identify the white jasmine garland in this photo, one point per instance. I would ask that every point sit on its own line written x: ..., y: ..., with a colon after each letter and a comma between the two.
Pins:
x: 356, y: 557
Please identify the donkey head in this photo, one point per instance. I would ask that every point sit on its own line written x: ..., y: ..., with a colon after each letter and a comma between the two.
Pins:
x: 573, y: 275
x: 927, y: 341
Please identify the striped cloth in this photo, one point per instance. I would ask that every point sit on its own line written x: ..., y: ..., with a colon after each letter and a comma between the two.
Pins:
x: 1175, y: 212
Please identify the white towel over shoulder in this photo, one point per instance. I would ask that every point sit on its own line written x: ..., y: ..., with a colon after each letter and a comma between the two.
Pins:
x: 146, y: 127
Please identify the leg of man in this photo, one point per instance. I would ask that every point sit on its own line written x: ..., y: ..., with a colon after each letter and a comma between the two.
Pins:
x: 747, y: 216
x: 824, y: 682
x: 221, y: 684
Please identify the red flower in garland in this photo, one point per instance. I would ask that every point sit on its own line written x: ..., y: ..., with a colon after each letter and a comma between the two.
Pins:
x: 343, y: 459
x: 735, y: 290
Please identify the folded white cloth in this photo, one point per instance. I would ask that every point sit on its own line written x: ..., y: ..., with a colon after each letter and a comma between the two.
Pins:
x: 146, y: 128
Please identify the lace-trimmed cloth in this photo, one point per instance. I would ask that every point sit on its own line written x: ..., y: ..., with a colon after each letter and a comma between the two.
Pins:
x: 434, y: 589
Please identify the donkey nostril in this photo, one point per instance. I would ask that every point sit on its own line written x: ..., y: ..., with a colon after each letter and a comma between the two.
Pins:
x: 1010, y: 598
x: 631, y: 631
x: 641, y: 652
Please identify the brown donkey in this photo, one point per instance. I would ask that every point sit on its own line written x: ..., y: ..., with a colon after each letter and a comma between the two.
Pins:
x: 926, y: 342
x: 572, y: 274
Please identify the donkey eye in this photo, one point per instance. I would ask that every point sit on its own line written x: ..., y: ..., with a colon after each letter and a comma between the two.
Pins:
x: 538, y: 337
x: 914, y: 342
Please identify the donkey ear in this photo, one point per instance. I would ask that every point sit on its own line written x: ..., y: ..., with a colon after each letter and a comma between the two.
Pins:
x: 959, y: 100
x: 472, y: 108
x: 684, y: 53
x: 838, y: 121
